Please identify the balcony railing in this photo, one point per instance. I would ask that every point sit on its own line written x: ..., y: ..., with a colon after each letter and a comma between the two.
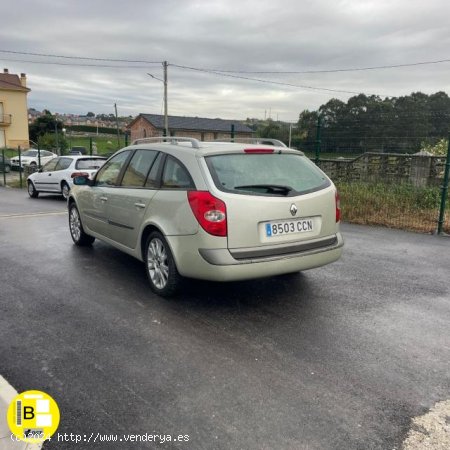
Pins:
x: 5, y: 119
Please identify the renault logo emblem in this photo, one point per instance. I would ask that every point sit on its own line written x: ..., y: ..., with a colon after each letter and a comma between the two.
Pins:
x: 293, y: 209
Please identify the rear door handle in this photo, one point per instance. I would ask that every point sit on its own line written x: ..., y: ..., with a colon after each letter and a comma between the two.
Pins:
x: 139, y: 205
x: 104, y: 199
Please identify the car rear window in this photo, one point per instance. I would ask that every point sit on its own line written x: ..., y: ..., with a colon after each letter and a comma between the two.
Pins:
x: 283, y: 174
x: 90, y: 163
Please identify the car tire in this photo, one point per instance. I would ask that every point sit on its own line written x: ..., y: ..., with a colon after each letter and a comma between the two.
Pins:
x: 160, y: 266
x: 7, y: 169
x: 79, y: 237
x: 32, y: 192
x: 65, y: 190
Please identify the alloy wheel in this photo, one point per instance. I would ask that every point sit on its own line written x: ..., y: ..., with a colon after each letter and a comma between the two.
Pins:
x: 157, y: 263
x: 75, y: 224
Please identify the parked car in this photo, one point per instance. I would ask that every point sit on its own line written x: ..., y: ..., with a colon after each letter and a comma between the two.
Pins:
x: 57, y: 175
x: 78, y: 150
x: 209, y: 210
x: 31, y: 158
x: 5, y: 164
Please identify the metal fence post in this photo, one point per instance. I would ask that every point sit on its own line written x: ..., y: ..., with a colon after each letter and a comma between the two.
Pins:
x: 90, y: 145
x: 444, y: 189
x: 39, y: 155
x: 232, y: 132
x: 4, y: 167
x: 20, y: 166
x: 318, y: 141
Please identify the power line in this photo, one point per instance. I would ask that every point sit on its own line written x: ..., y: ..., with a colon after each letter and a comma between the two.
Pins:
x: 76, y: 64
x: 354, y: 69
x: 222, y: 74
x: 81, y: 57
x: 351, y: 69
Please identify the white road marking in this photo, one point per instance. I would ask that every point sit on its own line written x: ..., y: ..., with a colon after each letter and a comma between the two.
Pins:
x: 38, y: 214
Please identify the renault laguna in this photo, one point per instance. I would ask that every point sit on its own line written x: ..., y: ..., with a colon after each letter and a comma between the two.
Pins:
x: 209, y: 210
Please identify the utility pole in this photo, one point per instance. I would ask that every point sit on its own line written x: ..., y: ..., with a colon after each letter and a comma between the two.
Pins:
x: 166, y: 117
x: 164, y: 81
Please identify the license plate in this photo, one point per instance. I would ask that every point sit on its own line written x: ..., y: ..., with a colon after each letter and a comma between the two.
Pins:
x: 289, y: 227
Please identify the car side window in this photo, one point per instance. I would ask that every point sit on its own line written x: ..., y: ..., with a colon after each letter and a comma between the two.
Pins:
x: 51, y: 165
x: 107, y: 175
x: 152, y: 181
x: 63, y: 163
x: 175, y: 176
x: 138, y: 168
x: 45, y: 153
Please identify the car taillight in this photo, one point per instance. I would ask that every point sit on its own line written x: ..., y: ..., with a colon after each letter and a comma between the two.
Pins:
x: 338, y: 207
x: 258, y: 150
x: 79, y: 174
x: 210, y: 212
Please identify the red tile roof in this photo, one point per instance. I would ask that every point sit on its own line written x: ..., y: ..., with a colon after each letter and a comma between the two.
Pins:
x: 11, y: 82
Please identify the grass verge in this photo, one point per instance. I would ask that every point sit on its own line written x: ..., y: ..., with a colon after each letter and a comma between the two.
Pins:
x: 392, y: 205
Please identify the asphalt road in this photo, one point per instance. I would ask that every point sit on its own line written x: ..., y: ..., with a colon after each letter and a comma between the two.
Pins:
x: 338, y: 357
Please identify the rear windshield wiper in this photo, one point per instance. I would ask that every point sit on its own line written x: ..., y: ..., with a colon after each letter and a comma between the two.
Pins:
x: 270, y: 188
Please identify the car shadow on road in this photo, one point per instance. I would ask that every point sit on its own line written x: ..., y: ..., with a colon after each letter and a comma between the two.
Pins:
x: 49, y: 198
x: 199, y: 295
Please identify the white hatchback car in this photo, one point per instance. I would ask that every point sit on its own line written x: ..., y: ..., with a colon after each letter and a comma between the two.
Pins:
x: 57, y: 175
x: 209, y: 210
x: 31, y: 158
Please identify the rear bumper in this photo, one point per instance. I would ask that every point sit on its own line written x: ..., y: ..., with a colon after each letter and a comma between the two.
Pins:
x: 220, y: 265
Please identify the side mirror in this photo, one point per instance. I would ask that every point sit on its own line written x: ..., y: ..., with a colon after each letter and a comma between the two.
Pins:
x: 81, y: 180
x: 40, y: 170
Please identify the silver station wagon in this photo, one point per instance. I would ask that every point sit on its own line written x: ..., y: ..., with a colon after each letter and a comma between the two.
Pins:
x: 209, y: 210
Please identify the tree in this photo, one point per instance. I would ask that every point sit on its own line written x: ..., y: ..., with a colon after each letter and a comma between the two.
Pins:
x: 90, y: 114
x: 370, y: 123
x: 274, y: 130
x: 305, y: 134
x: 45, y: 124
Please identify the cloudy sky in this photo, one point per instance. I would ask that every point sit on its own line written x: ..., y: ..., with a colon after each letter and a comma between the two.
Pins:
x: 237, y: 39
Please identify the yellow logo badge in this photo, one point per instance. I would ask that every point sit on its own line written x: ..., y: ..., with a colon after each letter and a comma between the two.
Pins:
x: 33, y: 416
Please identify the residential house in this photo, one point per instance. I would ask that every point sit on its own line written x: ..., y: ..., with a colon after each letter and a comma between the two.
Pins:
x: 149, y: 125
x: 13, y: 110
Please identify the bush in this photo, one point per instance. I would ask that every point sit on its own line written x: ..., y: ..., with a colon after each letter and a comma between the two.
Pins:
x: 439, y: 148
x: 48, y: 142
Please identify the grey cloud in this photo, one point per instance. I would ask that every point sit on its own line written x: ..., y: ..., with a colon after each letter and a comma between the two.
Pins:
x: 234, y: 35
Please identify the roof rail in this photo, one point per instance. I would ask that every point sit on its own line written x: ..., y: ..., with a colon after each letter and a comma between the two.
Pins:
x: 172, y: 139
x: 262, y: 141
